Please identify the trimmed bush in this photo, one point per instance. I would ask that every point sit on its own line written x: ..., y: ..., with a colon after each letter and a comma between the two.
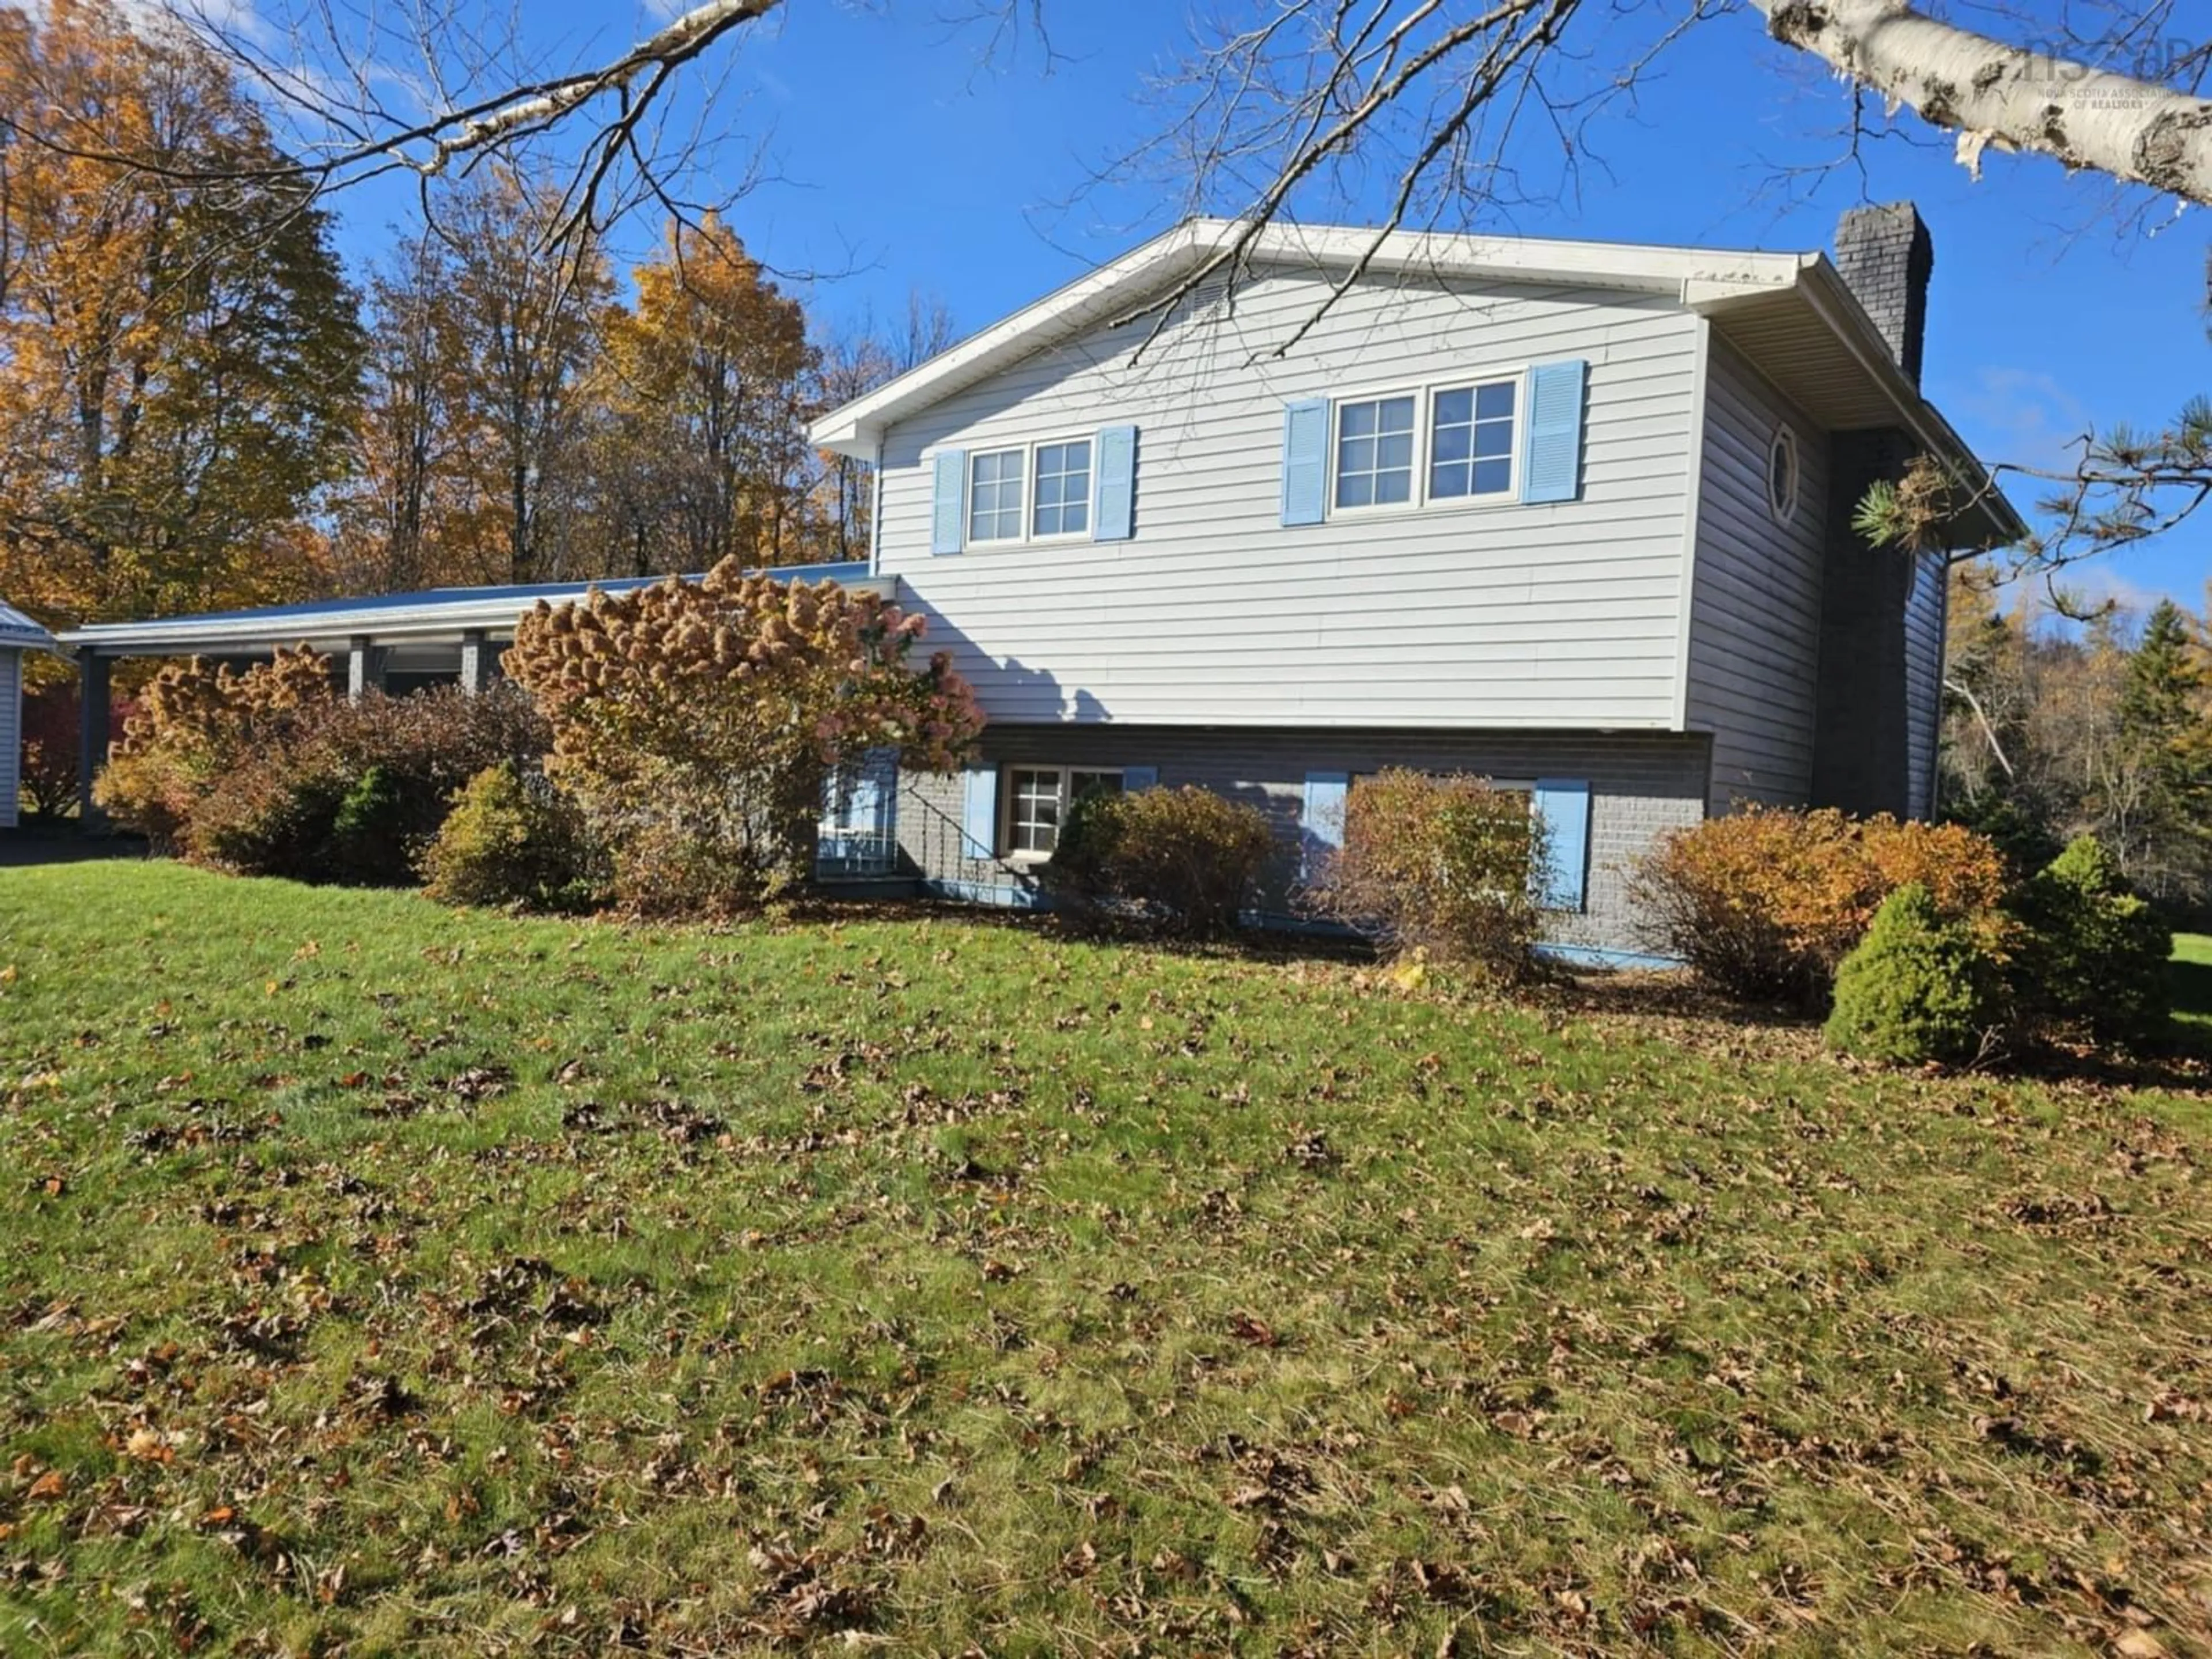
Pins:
x: 2093, y: 963
x: 1766, y: 901
x: 354, y: 792
x: 1449, y: 865
x: 1185, y: 861
x: 1919, y: 987
x: 511, y: 838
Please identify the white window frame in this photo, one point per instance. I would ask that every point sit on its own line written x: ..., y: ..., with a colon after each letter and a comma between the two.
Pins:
x: 1089, y: 442
x: 975, y: 459
x: 1785, y: 439
x: 1424, y: 394
x: 1028, y: 451
x: 1010, y: 799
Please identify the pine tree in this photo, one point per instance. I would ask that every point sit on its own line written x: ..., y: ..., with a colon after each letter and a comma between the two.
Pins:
x: 2162, y: 721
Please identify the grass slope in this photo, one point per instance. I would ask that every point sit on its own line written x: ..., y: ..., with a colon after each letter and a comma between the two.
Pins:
x: 374, y: 1279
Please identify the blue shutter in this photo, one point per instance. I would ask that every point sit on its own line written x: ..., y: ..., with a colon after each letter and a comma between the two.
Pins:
x: 979, y: 812
x: 1305, y: 461
x: 1114, y: 491
x: 948, y: 522
x: 1551, y: 463
x: 1563, y: 806
x: 1321, y: 824
x: 1140, y: 777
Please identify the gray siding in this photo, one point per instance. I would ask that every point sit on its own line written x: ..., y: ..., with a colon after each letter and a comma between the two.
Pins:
x: 1565, y: 615
x: 1755, y: 615
x: 1640, y: 785
x: 1925, y: 612
x: 11, y: 732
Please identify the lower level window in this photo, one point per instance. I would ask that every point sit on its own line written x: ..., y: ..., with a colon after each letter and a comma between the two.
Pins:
x: 1037, y: 799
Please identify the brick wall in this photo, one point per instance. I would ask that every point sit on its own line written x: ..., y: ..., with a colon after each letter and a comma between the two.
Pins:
x: 1640, y: 784
x: 1886, y: 257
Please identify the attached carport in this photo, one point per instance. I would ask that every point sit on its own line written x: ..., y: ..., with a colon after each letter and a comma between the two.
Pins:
x: 392, y: 642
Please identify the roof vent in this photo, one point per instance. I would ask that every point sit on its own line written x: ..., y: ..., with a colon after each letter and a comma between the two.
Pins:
x: 1886, y: 258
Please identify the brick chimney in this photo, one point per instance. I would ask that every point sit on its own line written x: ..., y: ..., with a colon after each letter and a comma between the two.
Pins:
x: 1886, y: 259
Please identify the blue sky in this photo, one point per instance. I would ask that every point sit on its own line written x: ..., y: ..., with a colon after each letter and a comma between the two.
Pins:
x: 900, y: 163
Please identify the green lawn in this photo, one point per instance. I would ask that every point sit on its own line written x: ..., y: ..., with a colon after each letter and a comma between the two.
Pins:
x: 378, y: 1279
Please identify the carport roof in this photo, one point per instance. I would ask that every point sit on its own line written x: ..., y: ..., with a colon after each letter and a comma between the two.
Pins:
x: 19, y: 633
x: 433, y: 613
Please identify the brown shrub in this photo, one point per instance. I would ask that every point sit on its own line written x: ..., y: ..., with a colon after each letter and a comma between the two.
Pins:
x: 191, y: 725
x: 1186, y: 859
x: 353, y: 792
x: 1767, y: 901
x: 1450, y: 865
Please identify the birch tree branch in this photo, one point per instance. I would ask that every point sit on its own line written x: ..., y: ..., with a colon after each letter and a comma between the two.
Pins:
x: 1996, y: 95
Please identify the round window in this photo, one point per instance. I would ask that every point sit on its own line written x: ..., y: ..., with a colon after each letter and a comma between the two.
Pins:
x: 1782, y: 474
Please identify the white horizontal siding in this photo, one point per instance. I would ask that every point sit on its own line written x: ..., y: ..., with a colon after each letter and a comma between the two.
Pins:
x: 1565, y: 616
x: 1755, y: 610
x: 11, y: 733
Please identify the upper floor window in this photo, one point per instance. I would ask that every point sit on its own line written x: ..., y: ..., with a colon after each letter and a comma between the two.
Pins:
x: 1063, y: 489
x: 1387, y: 455
x: 994, y: 495
x: 1375, y: 452
x: 1471, y: 441
x: 1782, y: 479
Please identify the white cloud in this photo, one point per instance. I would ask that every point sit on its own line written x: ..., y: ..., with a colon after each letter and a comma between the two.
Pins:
x: 2023, y: 415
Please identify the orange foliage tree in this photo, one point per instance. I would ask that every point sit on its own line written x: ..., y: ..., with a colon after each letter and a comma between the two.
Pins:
x: 177, y: 361
x: 695, y: 721
x: 705, y: 387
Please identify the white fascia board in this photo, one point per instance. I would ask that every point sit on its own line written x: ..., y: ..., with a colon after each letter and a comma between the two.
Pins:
x: 1126, y: 282
x: 1831, y: 298
x: 184, y: 635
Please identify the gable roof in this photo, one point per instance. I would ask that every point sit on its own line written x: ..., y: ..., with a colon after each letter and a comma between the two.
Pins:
x: 1791, y: 314
x: 19, y: 633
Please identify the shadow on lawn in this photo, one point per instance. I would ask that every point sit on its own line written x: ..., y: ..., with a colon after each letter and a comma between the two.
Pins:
x: 62, y: 842
x: 2192, y: 1004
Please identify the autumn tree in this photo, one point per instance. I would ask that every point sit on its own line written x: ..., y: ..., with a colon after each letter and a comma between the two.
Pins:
x: 527, y: 322
x: 178, y: 360
x: 850, y: 364
x: 706, y: 378
x: 405, y: 519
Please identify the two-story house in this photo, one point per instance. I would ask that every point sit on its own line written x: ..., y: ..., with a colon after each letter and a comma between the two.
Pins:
x: 1573, y: 515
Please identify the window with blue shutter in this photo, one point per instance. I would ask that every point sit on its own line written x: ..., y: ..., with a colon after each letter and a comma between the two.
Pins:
x: 1140, y: 777
x: 1562, y: 805
x: 1114, y: 516
x: 948, y: 520
x: 1321, y: 822
x: 1305, y: 461
x: 979, y: 811
x: 1551, y: 468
